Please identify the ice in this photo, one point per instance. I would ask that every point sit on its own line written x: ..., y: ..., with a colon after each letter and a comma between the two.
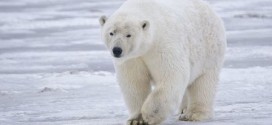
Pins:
x: 55, y: 70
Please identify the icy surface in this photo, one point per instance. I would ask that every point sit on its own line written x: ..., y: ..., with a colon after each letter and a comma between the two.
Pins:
x: 54, y: 69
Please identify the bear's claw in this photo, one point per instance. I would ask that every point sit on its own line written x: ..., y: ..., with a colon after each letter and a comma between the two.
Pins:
x: 137, y: 122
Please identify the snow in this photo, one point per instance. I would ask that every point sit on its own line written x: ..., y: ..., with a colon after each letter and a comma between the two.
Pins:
x: 54, y: 69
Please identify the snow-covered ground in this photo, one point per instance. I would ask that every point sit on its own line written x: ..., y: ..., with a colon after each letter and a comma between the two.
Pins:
x: 54, y: 69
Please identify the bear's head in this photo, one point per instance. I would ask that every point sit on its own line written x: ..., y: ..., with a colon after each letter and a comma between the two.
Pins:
x: 126, y: 37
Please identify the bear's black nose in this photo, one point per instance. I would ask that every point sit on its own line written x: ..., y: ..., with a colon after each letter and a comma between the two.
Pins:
x: 117, y: 51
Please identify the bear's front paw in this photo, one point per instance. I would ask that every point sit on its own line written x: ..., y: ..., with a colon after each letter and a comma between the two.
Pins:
x: 153, y: 114
x: 183, y: 110
x: 195, y: 116
x: 137, y: 121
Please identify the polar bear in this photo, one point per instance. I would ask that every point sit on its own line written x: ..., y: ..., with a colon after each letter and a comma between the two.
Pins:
x: 167, y: 56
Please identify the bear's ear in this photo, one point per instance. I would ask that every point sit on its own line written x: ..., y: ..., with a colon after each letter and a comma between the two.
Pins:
x: 102, y: 20
x: 145, y: 25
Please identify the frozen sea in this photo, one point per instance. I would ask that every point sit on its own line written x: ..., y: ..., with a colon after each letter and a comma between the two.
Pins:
x: 54, y: 69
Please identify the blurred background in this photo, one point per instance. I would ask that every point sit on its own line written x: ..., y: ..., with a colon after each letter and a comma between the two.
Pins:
x: 55, y: 70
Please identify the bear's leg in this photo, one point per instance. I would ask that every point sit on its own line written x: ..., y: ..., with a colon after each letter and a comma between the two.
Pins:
x: 134, y: 82
x: 184, y: 103
x: 165, y: 98
x: 201, y: 94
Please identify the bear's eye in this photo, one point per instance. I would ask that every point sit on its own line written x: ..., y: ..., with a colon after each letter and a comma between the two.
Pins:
x: 111, y: 33
x: 128, y: 36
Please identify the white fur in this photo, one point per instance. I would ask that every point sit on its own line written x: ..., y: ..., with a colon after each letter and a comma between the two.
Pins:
x: 180, y: 50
